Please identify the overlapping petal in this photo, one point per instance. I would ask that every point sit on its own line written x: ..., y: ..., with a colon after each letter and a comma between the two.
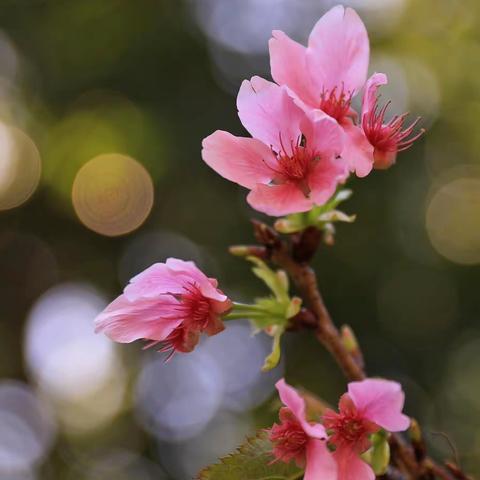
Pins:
x: 381, y: 401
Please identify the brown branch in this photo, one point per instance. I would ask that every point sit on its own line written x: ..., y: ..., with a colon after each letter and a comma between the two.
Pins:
x: 294, y: 258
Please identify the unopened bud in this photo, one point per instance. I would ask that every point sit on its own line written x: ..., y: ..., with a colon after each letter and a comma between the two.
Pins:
x: 349, y: 339
x: 284, y: 225
x: 239, y: 250
x: 415, y: 431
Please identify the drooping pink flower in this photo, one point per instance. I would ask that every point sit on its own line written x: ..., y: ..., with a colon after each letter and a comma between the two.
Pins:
x: 297, y: 439
x: 170, y: 304
x: 292, y: 162
x: 387, y: 138
x: 368, y: 406
x: 327, y: 74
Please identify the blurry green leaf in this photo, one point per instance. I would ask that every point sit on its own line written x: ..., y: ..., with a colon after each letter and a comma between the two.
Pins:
x: 277, y: 282
x: 272, y: 360
x: 252, y: 461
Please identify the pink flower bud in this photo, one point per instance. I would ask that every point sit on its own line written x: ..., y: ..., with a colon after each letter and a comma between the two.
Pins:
x: 170, y: 304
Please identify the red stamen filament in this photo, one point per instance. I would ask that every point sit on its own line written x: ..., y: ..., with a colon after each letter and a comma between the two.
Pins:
x: 392, y: 136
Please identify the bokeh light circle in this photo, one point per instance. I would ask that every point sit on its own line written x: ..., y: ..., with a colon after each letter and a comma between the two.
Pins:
x: 62, y: 351
x: 27, y: 429
x: 20, y: 167
x: 112, y: 194
x: 176, y: 400
x: 453, y: 220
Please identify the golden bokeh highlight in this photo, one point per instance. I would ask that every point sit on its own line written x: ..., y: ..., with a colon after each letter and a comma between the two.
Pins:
x: 112, y: 194
x: 453, y: 220
x: 20, y: 167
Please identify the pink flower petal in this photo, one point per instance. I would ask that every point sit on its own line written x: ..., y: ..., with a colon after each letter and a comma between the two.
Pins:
x: 152, y: 282
x: 240, y: 160
x: 125, y: 322
x: 296, y: 404
x: 288, y: 65
x: 269, y: 113
x: 370, y: 94
x: 278, y: 200
x: 351, y: 466
x: 357, y: 152
x: 320, y: 462
x: 189, y: 273
x: 324, y: 179
x: 323, y: 134
x: 381, y: 402
x: 338, y: 51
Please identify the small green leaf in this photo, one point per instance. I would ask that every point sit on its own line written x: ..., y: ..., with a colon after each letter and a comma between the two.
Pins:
x: 272, y: 360
x: 320, y: 216
x: 252, y: 461
x: 275, y: 282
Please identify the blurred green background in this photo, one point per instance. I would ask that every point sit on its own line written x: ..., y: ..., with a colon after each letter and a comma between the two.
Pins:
x: 103, y: 106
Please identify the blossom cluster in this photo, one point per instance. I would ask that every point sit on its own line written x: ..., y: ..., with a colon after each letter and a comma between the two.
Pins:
x: 306, y: 136
x: 306, y: 140
x: 332, y: 450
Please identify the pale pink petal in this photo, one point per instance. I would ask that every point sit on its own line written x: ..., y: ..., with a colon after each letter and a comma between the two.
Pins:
x: 323, y: 134
x: 370, y: 94
x: 124, y: 321
x: 325, y: 178
x: 190, y: 273
x: 288, y: 66
x: 296, y: 404
x: 381, y: 402
x: 338, y: 51
x: 320, y: 464
x: 278, y: 200
x: 240, y: 160
x: 269, y: 113
x: 155, y: 280
x: 357, y: 151
x: 351, y: 466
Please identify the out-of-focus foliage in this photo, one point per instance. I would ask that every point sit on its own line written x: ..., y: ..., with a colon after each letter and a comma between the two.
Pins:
x: 147, y: 80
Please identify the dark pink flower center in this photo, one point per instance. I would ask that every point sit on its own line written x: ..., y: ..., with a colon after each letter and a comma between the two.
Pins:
x: 392, y: 136
x: 289, y: 438
x: 336, y: 103
x: 195, y: 308
x: 295, y: 165
x: 349, y: 427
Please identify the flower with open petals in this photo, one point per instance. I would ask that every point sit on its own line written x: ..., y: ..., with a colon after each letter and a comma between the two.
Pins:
x: 387, y: 138
x: 369, y: 406
x: 292, y: 162
x: 297, y: 439
x: 170, y: 304
x: 327, y: 74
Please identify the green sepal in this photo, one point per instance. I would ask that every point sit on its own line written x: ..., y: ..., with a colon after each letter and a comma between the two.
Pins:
x: 378, y: 456
x: 321, y: 216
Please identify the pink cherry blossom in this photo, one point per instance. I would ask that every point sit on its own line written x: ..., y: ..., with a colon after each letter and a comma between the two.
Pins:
x: 292, y: 162
x: 170, y: 304
x: 387, y: 138
x: 368, y: 406
x: 297, y: 439
x: 327, y: 74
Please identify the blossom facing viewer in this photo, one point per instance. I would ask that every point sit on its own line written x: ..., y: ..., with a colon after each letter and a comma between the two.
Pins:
x: 292, y: 162
x: 297, y: 439
x: 369, y: 406
x: 331, y: 451
x: 170, y: 304
x: 328, y: 74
